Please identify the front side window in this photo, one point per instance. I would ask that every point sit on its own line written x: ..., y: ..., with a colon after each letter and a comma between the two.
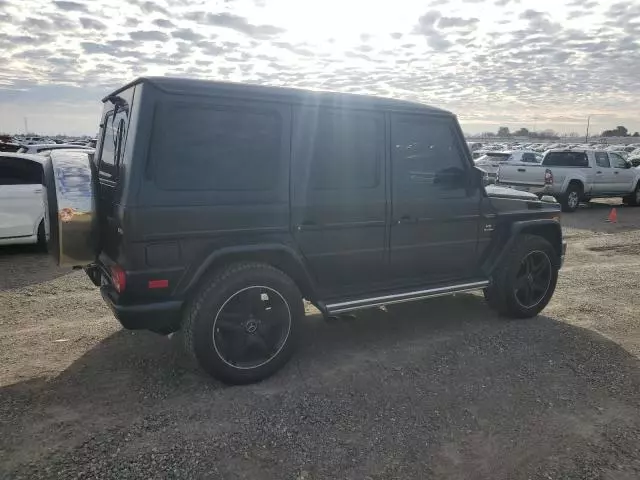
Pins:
x: 426, y: 156
x: 617, y: 161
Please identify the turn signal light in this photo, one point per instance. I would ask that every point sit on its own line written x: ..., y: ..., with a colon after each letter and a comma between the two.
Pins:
x: 119, y: 278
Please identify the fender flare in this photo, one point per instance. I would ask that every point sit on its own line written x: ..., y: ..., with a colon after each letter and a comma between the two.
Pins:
x: 516, y: 229
x: 300, y: 275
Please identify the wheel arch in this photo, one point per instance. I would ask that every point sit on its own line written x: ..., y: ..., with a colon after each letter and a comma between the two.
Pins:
x: 282, y: 257
x: 547, y: 228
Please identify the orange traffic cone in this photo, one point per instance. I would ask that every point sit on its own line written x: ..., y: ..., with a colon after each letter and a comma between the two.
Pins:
x: 613, y: 216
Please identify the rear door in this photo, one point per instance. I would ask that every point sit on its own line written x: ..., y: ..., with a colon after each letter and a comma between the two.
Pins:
x: 603, y: 181
x: 109, y: 157
x: 338, y: 209
x: 21, y: 197
x: 623, y: 175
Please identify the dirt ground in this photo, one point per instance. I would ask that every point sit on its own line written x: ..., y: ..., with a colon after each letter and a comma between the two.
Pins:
x: 437, y: 389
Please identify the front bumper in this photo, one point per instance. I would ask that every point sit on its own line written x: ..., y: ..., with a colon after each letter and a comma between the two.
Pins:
x: 160, y: 317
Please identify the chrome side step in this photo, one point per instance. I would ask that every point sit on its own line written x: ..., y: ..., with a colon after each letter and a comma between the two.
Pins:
x: 351, y: 305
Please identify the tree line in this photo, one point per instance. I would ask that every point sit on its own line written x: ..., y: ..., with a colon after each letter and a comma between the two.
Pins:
x: 550, y: 134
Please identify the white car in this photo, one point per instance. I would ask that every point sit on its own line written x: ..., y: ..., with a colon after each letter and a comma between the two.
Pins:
x: 22, y: 200
x: 490, y: 162
x: 44, y: 148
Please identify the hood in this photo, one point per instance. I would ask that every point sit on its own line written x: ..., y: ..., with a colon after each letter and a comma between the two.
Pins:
x: 503, y: 192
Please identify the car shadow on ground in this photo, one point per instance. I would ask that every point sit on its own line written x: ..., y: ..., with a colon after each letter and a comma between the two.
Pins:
x: 443, y: 371
x: 135, y: 362
x: 24, y: 265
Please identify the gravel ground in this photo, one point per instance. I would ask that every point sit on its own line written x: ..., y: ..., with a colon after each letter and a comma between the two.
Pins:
x: 437, y: 389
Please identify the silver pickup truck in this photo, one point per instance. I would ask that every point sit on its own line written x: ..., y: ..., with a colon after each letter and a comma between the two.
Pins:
x: 572, y: 176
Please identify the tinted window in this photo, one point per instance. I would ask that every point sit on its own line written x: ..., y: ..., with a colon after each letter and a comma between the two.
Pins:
x: 216, y: 148
x: 15, y: 171
x: 426, y: 153
x: 602, y: 160
x: 343, y: 148
x: 115, y: 133
x: 566, y: 159
x: 617, y: 161
x: 529, y: 158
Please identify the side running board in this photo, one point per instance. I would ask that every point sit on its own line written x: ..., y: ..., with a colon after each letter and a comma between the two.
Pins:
x: 348, y: 306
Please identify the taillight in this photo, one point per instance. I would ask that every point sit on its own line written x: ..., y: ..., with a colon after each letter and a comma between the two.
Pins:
x: 548, y: 177
x: 119, y: 278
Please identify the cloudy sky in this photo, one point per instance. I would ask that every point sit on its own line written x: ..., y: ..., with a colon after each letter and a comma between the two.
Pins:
x: 542, y: 63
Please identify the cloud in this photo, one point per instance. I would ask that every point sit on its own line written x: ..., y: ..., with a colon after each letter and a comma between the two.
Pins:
x: 186, y: 34
x: 149, y: 36
x: 92, y: 24
x: 235, y: 22
x: 70, y: 6
x: 163, y: 23
x: 149, y: 7
x: 452, y: 22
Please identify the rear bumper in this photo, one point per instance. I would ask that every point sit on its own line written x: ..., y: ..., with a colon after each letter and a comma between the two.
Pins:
x: 161, y: 317
x: 535, y: 189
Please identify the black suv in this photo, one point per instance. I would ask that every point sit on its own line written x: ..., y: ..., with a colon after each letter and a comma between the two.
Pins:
x: 216, y: 208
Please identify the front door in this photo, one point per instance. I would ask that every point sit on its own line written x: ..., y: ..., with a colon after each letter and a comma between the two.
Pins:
x: 623, y: 174
x: 435, y: 202
x: 338, y: 208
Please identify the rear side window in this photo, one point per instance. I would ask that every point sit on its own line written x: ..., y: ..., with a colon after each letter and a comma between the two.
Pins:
x: 566, y: 159
x: 344, y: 148
x: 216, y: 148
x: 602, y: 160
x: 114, y: 127
x: 15, y: 171
x: 529, y: 158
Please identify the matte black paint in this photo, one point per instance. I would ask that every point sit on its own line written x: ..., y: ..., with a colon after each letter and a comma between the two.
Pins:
x: 335, y: 246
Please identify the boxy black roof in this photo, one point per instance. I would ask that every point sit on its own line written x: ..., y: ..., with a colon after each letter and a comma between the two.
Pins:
x: 188, y: 86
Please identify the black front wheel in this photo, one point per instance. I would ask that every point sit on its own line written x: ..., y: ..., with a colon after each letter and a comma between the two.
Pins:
x: 524, y: 282
x: 241, y: 327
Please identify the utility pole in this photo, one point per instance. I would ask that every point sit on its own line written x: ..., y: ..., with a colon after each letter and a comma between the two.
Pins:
x: 586, y: 138
x: 26, y: 126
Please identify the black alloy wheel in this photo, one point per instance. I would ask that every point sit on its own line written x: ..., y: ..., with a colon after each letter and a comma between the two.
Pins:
x: 251, y: 327
x: 533, y: 279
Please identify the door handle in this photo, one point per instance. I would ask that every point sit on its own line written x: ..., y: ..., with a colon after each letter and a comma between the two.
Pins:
x: 522, y: 169
x: 616, y: 173
x: 306, y: 223
x: 599, y: 172
x: 404, y: 219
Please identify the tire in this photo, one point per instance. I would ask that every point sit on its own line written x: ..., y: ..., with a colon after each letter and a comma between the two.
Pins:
x: 570, y: 200
x: 246, y: 329
x: 42, y: 238
x: 504, y: 295
x: 634, y: 198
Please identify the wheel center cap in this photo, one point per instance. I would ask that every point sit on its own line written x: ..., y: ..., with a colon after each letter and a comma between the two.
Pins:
x: 251, y: 326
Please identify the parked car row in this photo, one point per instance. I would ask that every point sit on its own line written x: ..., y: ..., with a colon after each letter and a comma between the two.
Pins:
x: 575, y: 175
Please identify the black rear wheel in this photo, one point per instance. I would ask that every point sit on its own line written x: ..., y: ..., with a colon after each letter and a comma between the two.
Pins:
x: 242, y: 325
